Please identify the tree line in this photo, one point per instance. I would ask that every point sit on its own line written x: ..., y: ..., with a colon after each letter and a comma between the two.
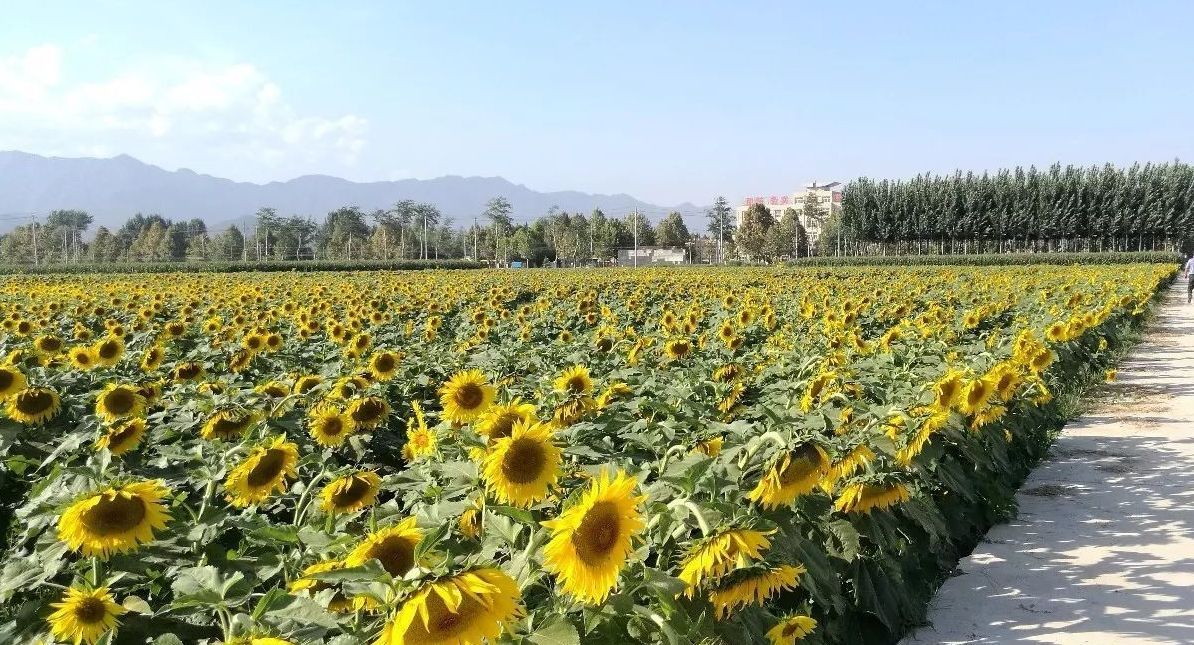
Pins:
x: 407, y: 230
x: 1108, y: 208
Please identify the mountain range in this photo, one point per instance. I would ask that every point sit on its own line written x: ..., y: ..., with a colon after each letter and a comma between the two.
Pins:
x: 113, y: 189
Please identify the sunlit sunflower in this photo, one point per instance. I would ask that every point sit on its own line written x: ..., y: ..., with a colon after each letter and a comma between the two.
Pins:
x: 420, y: 440
x: 82, y: 358
x: 261, y: 473
x: 84, y: 615
x: 591, y: 540
x: 796, y: 474
x: 466, y: 396
x: 108, y: 351
x: 470, y: 522
x: 114, y: 520
x: 12, y: 380
x: 754, y: 586
x: 153, y: 358
x: 947, y: 389
x: 228, y: 424
x: 122, y: 436
x: 468, y: 608
x: 393, y: 546
x: 351, y: 493
x: 118, y: 401
x: 189, y: 371
x: 574, y: 381
x: 791, y: 629
x: 307, y: 383
x: 330, y: 427
x: 369, y: 412
x: 383, y: 365
x: 677, y: 348
x: 1006, y: 381
x: 975, y: 395
x: 861, y: 498
x: 520, y: 469
x: 339, y: 601
x: 33, y: 405
x: 499, y: 420
x: 716, y: 556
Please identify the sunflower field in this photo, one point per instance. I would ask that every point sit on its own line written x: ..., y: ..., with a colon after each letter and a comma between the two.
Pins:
x: 713, y: 455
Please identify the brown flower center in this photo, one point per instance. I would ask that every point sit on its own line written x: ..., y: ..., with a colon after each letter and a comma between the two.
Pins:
x: 524, y: 461
x: 470, y: 396
x: 113, y: 515
x: 90, y: 611
x: 268, y: 467
x: 598, y: 533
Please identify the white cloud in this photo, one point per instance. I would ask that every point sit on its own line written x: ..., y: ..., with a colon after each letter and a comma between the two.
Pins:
x: 180, y: 112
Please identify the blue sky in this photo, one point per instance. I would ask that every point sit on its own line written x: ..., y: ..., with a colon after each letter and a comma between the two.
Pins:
x: 667, y: 101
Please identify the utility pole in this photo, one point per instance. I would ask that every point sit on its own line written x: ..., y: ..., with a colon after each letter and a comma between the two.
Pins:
x: 35, y: 261
x: 476, y: 239
x: 424, y: 236
x: 636, y: 237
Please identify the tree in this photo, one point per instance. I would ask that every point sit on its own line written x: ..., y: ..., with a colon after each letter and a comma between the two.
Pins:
x: 646, y: 234
x: 172, y: 245
x: 69, y: 225
x: 752, y: 235
x: 672, y: 231
x: 812, y: 215
x: 229, y: 245
x: 105, y: 247
x: 787, y: 237
x: 721, y: 224
x: 426, y: 217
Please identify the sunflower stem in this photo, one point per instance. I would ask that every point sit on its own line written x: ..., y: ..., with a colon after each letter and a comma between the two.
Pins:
x: 699, y: 515
x: 95, y: 572
x: 301, y: 508
x: 207, y: 493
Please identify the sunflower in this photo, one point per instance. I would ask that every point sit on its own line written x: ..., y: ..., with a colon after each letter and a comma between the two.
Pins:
x: 861, y: 498
x: 470, y: 522
x: 466, y: 396
x: 153, y: 358
x: 307, y: 383
x: 574, y: 381
x: 189, y: 371
x: 1006, y: 381
x: 84, y: 615
x: 307, y: 582
x: 261, y: 473
x: 677, y: 348
x: 114, y: 520
x: 947, y: 389
x: 228, y: 424
x: 420, y: 440
x: 369, y: 412
x: 82, y: 358
x: 975, y: 395
x: 754, y: 587
x: 716, y: 556
x: 791, y: 629
x: 118, y: 401
x: 48, y: 345
x: 520, y: 469
x: 591, y: 540
x: 394, y: 547
x: 122, y: 436
x: 329, y: 426
x: 12, y: 380
x: 797, y: 473
x: 710, y: 447
x: 468, y: 608
x: 351, y: 493
x: 383, y: 365
x: 33, y: 405
x: 499, y: 420
x: 108, y: 351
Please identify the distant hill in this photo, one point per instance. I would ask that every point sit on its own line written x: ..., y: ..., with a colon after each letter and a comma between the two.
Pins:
x: 114, y: 189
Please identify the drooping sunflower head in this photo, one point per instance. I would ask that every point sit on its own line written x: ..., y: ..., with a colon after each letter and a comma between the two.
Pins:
x: 119, y: 401
x: 351, y: 493
x: 109, y: 350
x: 229, y: 424
x: 520, y: 469
x: 84, y: 615
x: 48, y: 345
x: 33, y: 405
x: 677, y: 348
x: 12, y: 380
x: 394, y: 547
x: 716, y: 556
x: 114, y: 520
x: 975, y: 395
x: 791, y: 629
x: 466, y: 396
x: 574, y: 381
x: 262, y: 473
x: 307, y: 383
x: 122, y: 436
x: 468, y: 608
x: 499, y: 420
x: 947, y: 389
x: 862, y: 497
x: 383, y: 365
x: 369, y: 412
x: 188, y: 371
x: 797, y: 473
x: 754, y: 586
x: 592, y: 539
x: 153, y: 358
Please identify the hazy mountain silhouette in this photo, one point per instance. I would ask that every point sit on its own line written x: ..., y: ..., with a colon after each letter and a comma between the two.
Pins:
x: 114, y: 189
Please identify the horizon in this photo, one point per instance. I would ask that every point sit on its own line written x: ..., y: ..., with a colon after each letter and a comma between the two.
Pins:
x: 669, y: 107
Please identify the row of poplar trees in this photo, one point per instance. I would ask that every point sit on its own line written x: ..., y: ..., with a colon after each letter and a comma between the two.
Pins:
x: 1143, y: 207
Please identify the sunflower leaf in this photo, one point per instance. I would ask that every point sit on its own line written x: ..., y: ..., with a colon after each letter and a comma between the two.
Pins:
x: 556, y: 631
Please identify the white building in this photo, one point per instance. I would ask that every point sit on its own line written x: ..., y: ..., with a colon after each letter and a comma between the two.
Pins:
x: 652, y: 255
x: 827, y: 196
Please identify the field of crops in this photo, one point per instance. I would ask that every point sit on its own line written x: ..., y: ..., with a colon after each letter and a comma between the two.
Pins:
x: 685, y: 456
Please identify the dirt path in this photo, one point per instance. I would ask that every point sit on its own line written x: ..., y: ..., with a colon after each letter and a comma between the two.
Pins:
x: 1103, y: 548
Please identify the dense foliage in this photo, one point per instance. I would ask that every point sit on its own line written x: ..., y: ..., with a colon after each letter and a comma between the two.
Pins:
x: 706, y: 455
x: 240, y: 267
x: 995, y: 259
x: 1144, y: 207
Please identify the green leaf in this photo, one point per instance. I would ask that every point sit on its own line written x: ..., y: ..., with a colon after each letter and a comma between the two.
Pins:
x: 556, y: 631
x: 847, y: 538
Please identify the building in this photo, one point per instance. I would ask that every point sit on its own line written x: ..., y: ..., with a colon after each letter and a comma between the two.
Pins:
x: 828, y: 198
x: 652, y: 255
